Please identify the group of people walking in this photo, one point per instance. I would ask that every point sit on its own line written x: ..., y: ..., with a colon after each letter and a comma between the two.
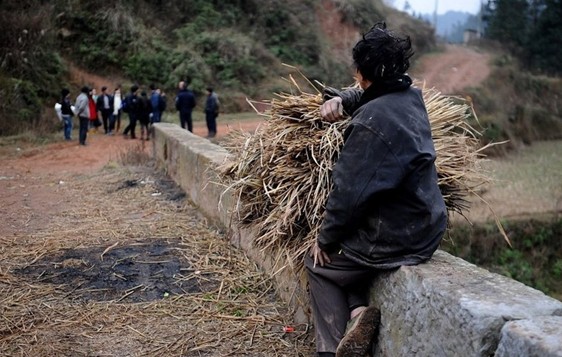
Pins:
x: 94, y: 111
x: 106, y: 109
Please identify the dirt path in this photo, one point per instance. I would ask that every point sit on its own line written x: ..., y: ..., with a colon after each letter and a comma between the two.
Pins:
x: 454, y: 69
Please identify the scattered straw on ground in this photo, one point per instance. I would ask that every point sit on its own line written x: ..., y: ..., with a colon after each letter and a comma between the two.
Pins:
x: 237, y: 315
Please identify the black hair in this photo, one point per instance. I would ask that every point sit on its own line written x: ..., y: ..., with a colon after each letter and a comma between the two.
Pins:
x: 152, y: 86
x: 382, y: 54
x: 210, y: 89
x: 134, y: 88
x: 85, y: 89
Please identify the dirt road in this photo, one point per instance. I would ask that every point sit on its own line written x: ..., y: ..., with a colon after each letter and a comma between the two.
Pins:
x: 454, y: 69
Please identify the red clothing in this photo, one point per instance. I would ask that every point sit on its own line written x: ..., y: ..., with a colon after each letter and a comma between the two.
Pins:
x: 93, y: 109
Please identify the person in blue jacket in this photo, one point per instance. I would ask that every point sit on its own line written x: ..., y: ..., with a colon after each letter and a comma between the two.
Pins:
x: 385, y: 209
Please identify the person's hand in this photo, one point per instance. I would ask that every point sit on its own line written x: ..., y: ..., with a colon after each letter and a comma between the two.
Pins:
x: 318, y: 255
x: 332, y: 109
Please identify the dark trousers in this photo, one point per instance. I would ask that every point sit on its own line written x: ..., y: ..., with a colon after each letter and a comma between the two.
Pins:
x: 117, y: 121
x: 156, y: 117
x: 132, y: 125
x: 186, y: 121
x: 211, y: 119
x: 336, y: 289
x: 83, y: 130
x: 105, y: 115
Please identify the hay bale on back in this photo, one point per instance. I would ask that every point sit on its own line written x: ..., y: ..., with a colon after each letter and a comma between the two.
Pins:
x: 281, y: 173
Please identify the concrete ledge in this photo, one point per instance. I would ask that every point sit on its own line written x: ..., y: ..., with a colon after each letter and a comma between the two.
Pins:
x: 447, y: 307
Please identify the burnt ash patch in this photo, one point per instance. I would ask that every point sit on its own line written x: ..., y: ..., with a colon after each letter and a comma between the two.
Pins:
x: 140, y: 271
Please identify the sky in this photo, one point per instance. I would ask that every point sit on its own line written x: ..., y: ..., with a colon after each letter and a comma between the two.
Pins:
x: 428, y: 6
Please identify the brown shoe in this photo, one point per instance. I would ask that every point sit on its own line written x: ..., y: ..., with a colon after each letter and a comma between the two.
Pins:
x: 361, y: 332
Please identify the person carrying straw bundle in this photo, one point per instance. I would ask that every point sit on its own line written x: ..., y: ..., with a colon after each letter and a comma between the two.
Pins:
x: 385, y: 209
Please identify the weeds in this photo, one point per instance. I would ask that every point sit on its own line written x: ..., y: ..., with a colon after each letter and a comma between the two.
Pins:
x: 136, y: 155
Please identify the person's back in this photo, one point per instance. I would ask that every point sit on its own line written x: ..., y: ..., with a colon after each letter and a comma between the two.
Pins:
x: 396, y: 139
x: 185, y: 101
x: 385, y: 208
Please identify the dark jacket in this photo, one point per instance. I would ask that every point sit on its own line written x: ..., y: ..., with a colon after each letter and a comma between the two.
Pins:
x: 212, y: 103
x: 131, y: 104
x: 185, y: 101
x: 145, y: 108
x: 66, y: 107
x: 100, y: 105
x: 386, y: 209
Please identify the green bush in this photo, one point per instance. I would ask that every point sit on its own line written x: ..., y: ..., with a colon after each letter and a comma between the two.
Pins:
x: 535, y: 258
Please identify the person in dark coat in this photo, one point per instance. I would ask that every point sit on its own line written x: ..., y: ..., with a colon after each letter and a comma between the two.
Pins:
x: 145, y: 108
x: 67, y: 114
x: 131, y: 106
x: 104, y: 104
x: 185, y: 102
x: 211, y: 112
x: 385, y: 209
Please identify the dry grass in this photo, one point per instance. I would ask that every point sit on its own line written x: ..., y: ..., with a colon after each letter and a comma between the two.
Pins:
x: 281, y: 174
x: 115, y: 208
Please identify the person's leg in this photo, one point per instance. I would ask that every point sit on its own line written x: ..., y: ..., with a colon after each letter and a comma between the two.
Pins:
x: 111, y: 123
x: 133, y: 126
x: 183, y: 120
x: 189, y: 122
x: 104, y: 118
x: 213, y: 125
x: 83, y: 130
x: 156, y: 117
x: 67, y: 120
x: 118, y: 121
x: 329, y: 294
x: 208, y: 120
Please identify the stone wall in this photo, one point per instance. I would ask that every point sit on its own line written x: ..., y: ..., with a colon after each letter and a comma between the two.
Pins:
x: 447, y: 307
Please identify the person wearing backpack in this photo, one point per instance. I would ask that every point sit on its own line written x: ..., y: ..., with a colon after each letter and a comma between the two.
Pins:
x: 131, y: 107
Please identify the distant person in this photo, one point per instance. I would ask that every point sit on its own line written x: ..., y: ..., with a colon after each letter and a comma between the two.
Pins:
x: 115, y: 123
x: 82, y: 110
x: 158, y: 104
x: 211, y: 112
x: 104, y: 104
x: 94, y: 120
x: 145, y: 109
x: 131, y: 107
x: 66, y: 113
x: 185, y: 102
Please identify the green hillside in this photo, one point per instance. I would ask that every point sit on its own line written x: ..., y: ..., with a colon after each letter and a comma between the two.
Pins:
x: 235, y: 46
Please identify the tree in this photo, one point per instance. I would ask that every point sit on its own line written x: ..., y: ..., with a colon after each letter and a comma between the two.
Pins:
x: 508, y: 21
x: 545, y: 40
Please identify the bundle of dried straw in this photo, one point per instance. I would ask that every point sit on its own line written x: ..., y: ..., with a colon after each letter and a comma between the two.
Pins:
x: 281, y: 173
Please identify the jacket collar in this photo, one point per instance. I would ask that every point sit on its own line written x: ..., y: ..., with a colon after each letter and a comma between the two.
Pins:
x: 384, y: 86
